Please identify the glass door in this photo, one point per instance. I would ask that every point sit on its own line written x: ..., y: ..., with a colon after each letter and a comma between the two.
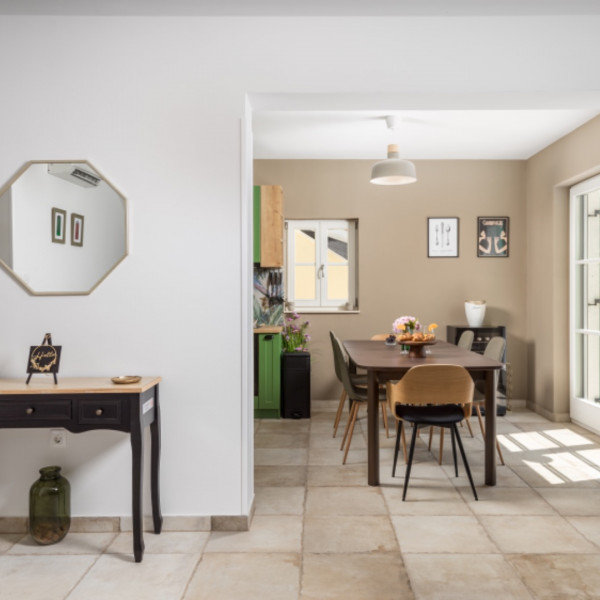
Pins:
x: 585, y: 304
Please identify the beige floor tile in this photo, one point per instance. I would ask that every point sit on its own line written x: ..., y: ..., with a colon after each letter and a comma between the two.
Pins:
x: 536, y: 535
x: 349, y: 534
x: 253, y: 576
x: 41, y: 577
x: 560, y: 577
x: 589, y: 527
x: 168, y: 542
x: 7, y: 540
x: 376, y: 575
x: 280, y: 440
x: 428, y: 498
x: 279, y: 475
x: 331, y: 475
x: 285, y: 426
x: 463, y: 577
x: 279, y: 500
x: 280, y: 456
x: 73, y: 543
x: 326, y: 440
x: 569, y: 502
x: 267, y: 534
x: 117, y: 577
x: 505, y: 477
x: 335, y: 456
x: 435, y: 534
x: 322, y: 501
x: 537, y: 475
x: 507, y: 501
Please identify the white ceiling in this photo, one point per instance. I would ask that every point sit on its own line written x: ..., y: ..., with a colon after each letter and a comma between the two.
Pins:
x: 471, y: 129
x: 420, y: 134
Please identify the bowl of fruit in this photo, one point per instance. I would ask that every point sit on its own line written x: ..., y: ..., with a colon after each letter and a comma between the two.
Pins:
x: 417, y: 341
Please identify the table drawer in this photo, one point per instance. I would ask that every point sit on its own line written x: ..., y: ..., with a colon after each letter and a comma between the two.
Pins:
x: 100, y: 412
x: 31, y: 410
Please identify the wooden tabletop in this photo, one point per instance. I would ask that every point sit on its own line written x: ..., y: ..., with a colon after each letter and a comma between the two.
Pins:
x: 369, y: 354
x: 42, y: 384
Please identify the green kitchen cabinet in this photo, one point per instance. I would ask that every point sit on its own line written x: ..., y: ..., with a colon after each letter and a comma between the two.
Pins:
x: 267, y: 373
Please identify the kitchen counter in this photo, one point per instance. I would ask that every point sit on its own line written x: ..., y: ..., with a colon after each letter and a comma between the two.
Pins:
x: 269, y: 329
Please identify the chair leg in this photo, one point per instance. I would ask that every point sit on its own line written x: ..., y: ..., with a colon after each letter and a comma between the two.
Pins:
x: 469, y: 426
x: 441, y: 445
x: 384, y: 416
x: 348, y: 424
x: 338, y: 414
x: 431, y: 428
x: 356, y: 404
x: 452, y: 439
x: 464, y: 458
x: 404, y: 445
x: 482, y: 427
x: 399, y: 434
x: 411, y: 452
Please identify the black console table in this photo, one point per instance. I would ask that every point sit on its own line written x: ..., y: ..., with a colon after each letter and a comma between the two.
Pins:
x: 84, y: 404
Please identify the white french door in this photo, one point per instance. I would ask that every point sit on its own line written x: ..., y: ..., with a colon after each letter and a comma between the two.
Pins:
x: 585, y: 304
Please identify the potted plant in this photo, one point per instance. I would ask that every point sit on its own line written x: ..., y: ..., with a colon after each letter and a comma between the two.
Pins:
x: 295, y: 369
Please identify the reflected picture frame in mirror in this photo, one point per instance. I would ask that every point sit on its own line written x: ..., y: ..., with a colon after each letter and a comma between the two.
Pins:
x: 66, y: 195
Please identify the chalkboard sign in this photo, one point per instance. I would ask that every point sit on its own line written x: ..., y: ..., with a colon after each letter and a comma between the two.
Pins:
x: 44, y: 358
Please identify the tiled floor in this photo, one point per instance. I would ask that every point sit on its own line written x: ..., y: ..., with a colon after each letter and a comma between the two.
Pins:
x: 321, y: 533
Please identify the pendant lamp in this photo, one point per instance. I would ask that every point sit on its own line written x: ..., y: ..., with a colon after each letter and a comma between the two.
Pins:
x: 393, y: 170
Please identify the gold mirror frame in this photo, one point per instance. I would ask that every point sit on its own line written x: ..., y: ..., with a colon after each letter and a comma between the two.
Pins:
x: 63, y: 239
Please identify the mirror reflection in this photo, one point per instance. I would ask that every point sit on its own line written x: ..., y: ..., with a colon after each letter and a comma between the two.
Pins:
x: 63, y: 227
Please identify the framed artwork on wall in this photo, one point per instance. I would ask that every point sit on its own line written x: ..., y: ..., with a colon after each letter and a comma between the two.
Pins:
x: 59, y: 218
x: 76, y: 229
x: 492, y: 237
x: 442, y: 237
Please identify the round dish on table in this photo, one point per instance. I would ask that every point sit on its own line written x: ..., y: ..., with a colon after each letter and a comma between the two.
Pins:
x: 416, y: 349
x: 122, y: 379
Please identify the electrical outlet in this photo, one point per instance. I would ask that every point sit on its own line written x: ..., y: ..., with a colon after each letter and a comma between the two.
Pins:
x: 58, y: 438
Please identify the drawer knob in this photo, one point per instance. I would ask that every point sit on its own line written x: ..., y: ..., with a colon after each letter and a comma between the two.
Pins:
x: 29, y: 411
x: 99, y: 412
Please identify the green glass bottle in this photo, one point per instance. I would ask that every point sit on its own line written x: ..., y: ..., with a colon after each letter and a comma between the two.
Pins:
x: 49, y: 507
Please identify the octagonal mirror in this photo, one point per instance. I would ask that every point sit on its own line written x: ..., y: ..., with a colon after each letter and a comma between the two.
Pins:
x: 63, y: 227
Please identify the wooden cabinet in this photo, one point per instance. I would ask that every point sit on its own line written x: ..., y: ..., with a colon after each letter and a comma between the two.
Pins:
x: 268, y: 225
x: 267, y: 375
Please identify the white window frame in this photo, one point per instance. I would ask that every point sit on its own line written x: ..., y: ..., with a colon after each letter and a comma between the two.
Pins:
x: 321, y: 228
x: 583, y: 411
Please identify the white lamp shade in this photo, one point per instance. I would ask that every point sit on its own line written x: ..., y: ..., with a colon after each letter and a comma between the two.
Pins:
x: 393, y: 170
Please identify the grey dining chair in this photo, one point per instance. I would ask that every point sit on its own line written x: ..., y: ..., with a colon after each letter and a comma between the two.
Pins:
x: 465, y: 341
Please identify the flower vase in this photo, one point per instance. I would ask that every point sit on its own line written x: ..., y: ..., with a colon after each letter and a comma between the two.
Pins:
x: 475, y: 312
x: 49, y: 507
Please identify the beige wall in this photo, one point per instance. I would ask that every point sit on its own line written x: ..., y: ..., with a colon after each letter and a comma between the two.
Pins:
x: 549, y: 175
x: 395, y: 275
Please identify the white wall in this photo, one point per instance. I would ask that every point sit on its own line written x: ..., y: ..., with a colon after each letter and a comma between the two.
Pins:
x: 156, y: 104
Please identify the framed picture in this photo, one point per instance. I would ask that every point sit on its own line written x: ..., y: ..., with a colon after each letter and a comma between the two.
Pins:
x: 492, y: 237
x: 442, y: 237
x: 76, y: 229
x: 59, y: 219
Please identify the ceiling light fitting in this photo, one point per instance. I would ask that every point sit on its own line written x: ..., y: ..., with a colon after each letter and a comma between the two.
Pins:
x: 393, y: 170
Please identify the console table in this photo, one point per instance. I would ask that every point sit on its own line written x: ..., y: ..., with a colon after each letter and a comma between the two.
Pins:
x: 84, y: 404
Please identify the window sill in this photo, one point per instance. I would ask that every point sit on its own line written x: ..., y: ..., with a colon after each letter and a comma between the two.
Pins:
x: 317, y: 311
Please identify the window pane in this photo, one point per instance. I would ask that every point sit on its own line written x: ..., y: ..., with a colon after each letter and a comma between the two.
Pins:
x: 578, y: 225
x: 579, y: 314
x: 305, y: 282
x: 592, y: 372
x: 593, y: 296
x: 578, y: 375
x: 337, y: 283
x: 593, y: 224
x: 337, y: 246
x: 305, y: 246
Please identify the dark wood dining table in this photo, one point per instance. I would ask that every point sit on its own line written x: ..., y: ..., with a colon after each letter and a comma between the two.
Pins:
x: 384, y: 363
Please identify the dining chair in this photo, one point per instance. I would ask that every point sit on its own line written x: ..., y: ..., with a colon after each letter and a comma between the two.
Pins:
x: 494, y: 350
x: 432, y: 395
x: 356, y: 394
x: 465, y: 341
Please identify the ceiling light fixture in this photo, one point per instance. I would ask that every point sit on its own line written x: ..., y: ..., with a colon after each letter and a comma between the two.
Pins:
x: 393, y: 170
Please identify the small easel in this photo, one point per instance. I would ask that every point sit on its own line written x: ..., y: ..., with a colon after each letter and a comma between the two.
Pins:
x: 44, y: 358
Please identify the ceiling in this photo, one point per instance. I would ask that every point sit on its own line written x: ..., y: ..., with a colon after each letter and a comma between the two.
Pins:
x: 346, y: 130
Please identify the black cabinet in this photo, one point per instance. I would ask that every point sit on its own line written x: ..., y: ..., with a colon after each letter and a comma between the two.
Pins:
x: 295, y: 385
